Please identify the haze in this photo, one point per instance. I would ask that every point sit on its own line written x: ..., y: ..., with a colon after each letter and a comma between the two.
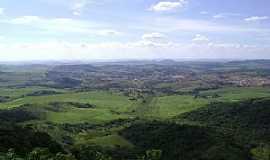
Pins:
x: 137, y: 29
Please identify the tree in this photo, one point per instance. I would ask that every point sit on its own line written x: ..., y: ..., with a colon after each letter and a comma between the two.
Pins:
x: 261, y: 153
x: 11, y: 155
x: 101, y: 156
x: 39, y: 154
x: 152, y: 155
x: 91, y: 153
x: 60, y: 156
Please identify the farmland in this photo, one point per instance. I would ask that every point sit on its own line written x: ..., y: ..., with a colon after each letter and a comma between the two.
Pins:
x: 125, y: 109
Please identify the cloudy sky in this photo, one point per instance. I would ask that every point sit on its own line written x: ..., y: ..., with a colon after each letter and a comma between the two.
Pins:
x: 134, y: 29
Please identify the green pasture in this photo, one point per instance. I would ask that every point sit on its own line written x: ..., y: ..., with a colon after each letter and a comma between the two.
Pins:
x: 238, y: 93
x: 18, y: 92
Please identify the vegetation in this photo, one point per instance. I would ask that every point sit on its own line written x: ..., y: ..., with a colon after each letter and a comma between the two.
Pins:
x: 136, y: 111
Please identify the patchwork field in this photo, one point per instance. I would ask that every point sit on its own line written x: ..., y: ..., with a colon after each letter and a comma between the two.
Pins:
x: 112, y: 105
x: 72, y: 111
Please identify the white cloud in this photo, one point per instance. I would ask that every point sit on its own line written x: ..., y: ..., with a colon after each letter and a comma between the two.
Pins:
x: 153, y: 36
x: 225, y: 15
x: 219, y: 16
x: 129, y: 50
x: 2, y: 11
x: 51, y: 24
x: 108, y: 32
x: 152, y: 40
x: 203, y: 12
x: 61, y: 25
x: 173, y: 25
x: 256, y: 18
x: 78, y: 7
x: 25, y: 20
x: 200, y: 39
x: 168, y: 6
x: 76, y: 13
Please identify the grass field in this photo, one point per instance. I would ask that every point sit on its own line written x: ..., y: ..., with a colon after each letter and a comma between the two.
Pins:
x: 110, y: 106
x: 237, y: 94
x: 75, y: 115
x: 18, y: 92
x: 169, y: 106
x: 133, y: 110
x: 99, y: 98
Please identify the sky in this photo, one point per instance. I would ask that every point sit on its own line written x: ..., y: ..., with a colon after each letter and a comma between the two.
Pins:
x: 134, y: 29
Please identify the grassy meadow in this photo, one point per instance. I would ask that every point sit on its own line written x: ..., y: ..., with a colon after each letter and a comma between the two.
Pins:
x: 113, y: 105
x: 109, y: 107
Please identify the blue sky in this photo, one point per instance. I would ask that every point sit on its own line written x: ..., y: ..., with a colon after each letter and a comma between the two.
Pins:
x: 134, y: 29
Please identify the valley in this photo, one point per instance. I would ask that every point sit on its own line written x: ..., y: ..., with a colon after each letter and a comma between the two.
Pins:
x: 136, y: 110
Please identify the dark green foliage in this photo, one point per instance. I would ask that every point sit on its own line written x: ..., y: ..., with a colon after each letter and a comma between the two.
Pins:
x: 262, y: 152
x: 91, y: 153
x: 183, y: 141
x: 39, y: 154
x: 23, y: 140
x: 18, y: 115
x: 247, y: 120
x: 67, y: 82
x: 10, y: 155
x: 152, y: 155
x: 4, y: 99
x: 43, y: 93
x: 56, y: 105
x: 61, y: 156
x: 220, y: 131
